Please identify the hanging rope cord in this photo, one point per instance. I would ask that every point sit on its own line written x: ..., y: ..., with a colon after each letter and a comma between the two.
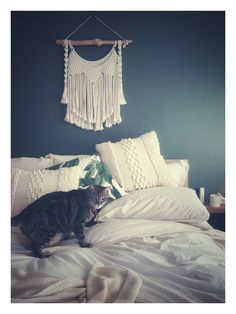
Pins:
x: 67, y: 42
x: 121, y: 37
x: 88, y: 18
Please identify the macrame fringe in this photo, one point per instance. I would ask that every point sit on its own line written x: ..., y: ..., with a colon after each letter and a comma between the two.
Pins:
x: 92, y: 105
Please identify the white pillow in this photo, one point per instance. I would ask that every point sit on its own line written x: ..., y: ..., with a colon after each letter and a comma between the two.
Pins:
x: 165, y: 203
x: 84, y: 159
x: 136, y: 163
x: 27, y: 186
x: 28, y: 163
x: 179, y: 170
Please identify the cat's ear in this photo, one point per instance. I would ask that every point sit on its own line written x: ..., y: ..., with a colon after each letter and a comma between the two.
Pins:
x: 106, y: 190
x: 90, y: 188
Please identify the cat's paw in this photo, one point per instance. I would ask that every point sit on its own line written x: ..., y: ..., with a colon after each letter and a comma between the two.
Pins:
x: 43, y: 254
x: 85, y: 244
x: 46, y: 254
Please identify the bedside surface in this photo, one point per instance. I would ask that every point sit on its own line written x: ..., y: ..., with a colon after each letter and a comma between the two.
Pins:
x: 216, y: 210
x: 217, y: 216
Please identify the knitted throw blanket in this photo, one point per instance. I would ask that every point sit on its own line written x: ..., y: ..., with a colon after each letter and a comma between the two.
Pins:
x: 93, y: 90
x: 102, y: 285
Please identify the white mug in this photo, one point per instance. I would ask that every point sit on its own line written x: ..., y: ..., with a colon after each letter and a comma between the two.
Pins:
x: 215, y: 200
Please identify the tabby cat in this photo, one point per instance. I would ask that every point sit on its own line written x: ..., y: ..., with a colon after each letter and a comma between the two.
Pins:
x: 59, y: 215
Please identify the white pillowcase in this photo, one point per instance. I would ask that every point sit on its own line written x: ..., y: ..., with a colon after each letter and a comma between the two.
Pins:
x: 136, y: 163
x: 84, y: 160
x: 27, y: 186
x: 179, y: 170
x: 165, y: 203
x: 29, y: 163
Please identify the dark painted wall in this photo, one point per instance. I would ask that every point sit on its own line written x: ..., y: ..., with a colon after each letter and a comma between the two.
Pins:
x: 173, y: 77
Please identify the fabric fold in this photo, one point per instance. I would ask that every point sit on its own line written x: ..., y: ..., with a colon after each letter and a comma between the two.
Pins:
x: 103, y: 285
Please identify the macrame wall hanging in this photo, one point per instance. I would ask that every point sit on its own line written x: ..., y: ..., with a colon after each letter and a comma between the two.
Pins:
x: 93, y: 90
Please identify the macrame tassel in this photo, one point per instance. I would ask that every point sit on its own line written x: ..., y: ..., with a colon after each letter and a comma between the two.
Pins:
x: 93, y: 103
x: 121, y: 94
x: 64, y: 99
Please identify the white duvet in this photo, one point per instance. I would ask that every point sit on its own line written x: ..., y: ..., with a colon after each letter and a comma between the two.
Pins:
x: 168, y: 261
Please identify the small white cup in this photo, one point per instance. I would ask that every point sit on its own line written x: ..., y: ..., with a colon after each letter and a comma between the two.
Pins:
x: 215, y: 200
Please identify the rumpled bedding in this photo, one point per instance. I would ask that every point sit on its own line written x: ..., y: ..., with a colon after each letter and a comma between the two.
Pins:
x: 140, y: 260
x: 102, y: 285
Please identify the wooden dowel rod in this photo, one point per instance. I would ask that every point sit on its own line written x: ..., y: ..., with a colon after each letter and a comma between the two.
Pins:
x: 92, y: 42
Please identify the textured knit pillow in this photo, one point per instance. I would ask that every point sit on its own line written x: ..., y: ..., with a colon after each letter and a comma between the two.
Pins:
x: 30, y: 163
x: 136, y: 163
x: 27, y: 186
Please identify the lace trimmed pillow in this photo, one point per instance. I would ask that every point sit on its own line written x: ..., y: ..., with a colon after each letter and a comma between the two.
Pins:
x: 136, y: 163
x: 27, y: 186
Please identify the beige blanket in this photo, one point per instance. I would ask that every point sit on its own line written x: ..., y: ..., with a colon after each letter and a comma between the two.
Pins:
x: 102, y: 285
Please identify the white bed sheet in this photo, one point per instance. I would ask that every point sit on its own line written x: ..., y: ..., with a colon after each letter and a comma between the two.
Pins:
x: 176, y: 262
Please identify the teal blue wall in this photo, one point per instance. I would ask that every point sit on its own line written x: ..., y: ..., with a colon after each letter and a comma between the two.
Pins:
x: 173, y: 77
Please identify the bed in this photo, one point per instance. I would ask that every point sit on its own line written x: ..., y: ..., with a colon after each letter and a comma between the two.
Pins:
x: 151, y: 245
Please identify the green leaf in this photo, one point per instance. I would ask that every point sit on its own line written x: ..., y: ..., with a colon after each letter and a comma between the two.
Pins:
x: 82, y: 182
x: 85, y: 182
x: 71, y: 163
x: 98, y: 180
x: 91, y: 173
x: 68, y: 164
x: 90, y: 165
x: 115, y: 192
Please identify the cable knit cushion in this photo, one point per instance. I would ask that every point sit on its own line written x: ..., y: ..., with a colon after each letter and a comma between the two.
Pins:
x: 27, y: 186
x: 30, y: 163
x: 136, y: 163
